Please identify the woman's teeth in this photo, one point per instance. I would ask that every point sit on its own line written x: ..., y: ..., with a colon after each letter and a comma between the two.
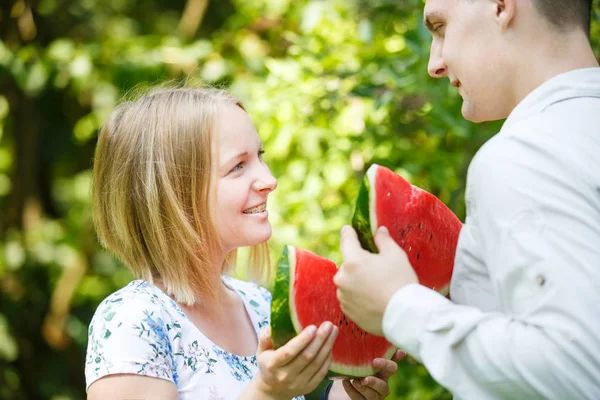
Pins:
x: 257, y: 209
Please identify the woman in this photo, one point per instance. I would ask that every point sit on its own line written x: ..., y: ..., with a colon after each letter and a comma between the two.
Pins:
x: 179, y: 184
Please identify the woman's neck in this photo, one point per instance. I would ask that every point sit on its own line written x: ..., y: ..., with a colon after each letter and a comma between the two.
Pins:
x: 221, y: 295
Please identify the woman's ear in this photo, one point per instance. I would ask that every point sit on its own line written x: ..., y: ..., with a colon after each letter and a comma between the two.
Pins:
x: 505, y: 12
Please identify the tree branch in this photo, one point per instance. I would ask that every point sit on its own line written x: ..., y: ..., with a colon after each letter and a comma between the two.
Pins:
x: 191, y: 19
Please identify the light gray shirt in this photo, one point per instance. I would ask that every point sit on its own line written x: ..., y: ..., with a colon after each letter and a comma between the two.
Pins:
x: 524, y: 320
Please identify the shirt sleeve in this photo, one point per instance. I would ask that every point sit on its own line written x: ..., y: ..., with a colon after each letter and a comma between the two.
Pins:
x: 129, y: 336
x: 539, y: 233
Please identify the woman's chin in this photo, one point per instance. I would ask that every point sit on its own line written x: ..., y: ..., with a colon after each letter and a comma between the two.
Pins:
x: 259, y: 236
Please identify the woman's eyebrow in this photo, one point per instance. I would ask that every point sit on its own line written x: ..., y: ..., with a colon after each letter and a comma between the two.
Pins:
x: 235, y: 157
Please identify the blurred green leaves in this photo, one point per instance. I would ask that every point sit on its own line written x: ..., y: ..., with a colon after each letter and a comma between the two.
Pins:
x: 332, y: 87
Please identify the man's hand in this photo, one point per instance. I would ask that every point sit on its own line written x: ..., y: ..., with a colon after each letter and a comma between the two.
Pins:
x: 370, y: 388
x: 366, y: 282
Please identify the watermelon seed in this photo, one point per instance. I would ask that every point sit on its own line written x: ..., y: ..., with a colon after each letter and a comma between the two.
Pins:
x: 418, y: 255
x: 430, y: 236
x: 419, y: 225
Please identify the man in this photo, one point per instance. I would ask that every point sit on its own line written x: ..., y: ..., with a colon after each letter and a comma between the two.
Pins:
x: 524, y: 320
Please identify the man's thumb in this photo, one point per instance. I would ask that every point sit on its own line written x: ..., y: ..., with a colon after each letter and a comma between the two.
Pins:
x: 349, y: 244
x: 383, y: 239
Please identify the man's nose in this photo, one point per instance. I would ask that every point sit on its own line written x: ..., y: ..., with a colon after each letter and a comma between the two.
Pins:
x: 437, y: 66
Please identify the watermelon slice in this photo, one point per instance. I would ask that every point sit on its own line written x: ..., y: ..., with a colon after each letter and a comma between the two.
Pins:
x: 304, y: 294
x: 418, y: 221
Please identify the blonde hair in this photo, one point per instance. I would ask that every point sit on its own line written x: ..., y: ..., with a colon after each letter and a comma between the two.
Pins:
x: 152, y: 196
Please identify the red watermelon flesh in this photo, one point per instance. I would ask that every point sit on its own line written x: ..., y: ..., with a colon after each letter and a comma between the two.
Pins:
x: 312, y: 301
x: 418, y: 221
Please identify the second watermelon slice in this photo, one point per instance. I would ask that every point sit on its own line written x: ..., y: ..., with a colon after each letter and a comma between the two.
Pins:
x: 418, y: 221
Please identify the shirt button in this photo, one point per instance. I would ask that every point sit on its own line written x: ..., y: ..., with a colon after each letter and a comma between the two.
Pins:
x: 540, y: 280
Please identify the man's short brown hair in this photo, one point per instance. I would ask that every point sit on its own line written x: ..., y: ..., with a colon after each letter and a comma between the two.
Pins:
x: 566, y: 14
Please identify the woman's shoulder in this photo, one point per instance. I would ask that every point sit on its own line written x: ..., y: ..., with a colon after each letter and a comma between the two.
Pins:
x: 138, y: 299
x: 133, y: 331
x: 137, y: 291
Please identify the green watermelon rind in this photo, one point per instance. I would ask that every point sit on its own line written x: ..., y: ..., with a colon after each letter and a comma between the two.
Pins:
x: 364, y: 211
x: 292, y: 271
x: 282, y: 327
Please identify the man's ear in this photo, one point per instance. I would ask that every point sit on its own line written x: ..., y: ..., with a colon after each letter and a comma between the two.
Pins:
x: 505, y: 12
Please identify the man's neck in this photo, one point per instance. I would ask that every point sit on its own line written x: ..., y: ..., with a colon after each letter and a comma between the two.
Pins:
x: 541, y: 64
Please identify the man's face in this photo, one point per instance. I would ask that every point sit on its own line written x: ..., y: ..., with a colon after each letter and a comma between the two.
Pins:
x: 467, y: 48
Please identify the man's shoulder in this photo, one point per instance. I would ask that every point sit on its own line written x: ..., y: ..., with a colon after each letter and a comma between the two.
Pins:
x: 541, y: 154
x: 575, y: 116
x: 560, y: 132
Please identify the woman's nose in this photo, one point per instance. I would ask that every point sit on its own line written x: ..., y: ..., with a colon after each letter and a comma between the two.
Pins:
x: 265, y: 181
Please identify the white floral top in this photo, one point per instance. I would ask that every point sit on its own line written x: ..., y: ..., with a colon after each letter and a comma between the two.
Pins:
x: 140, y: 330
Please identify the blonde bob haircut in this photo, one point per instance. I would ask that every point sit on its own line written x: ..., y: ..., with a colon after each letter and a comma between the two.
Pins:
x: 152, y: 196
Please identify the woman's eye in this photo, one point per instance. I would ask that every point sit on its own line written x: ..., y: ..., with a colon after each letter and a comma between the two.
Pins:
x: 438, y: 27
x: 238, y: 167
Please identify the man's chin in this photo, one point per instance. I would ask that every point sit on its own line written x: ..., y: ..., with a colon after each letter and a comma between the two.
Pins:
x: 474, y: 119
x: 469, y: 112
x: 472, y: 114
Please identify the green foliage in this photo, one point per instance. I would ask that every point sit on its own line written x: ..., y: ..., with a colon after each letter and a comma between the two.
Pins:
x: 332, y: 87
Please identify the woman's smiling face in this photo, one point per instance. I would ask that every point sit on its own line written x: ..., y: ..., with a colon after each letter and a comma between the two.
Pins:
x: 243, y: 181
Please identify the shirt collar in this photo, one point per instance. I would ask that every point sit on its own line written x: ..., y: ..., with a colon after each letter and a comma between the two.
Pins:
x: 578, y: 83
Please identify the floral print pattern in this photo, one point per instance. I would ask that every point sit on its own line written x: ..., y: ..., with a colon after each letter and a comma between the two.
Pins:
x: 197, y: 355
x: 241, y: 368
x: 140, y: 330
x: 155, y: 327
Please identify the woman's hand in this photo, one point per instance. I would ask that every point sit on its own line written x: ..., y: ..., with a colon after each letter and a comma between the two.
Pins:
x: 297, y: 367
x: 372, y: 387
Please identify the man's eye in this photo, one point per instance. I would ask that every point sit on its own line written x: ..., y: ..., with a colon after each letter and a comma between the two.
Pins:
x: 260, y: 153
x: 437, y: 28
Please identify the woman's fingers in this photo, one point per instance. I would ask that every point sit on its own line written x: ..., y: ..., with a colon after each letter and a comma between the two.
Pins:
x: 321, y: 373
x: 320, y: 365
x: 287, y: 353
x: 376, y: 384
x: 312, y: 357
x: 264, y: 340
